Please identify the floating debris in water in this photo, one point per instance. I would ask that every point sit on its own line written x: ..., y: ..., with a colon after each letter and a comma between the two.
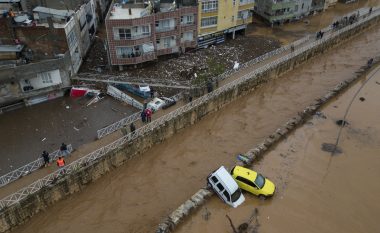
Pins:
x: 341, y: 122
x: 321, y: 115
x: 329, y: 147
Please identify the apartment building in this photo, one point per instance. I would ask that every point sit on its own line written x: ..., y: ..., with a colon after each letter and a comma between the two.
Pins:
x: 281, y: 11
x: 219, y: 18
x: 138, y: 32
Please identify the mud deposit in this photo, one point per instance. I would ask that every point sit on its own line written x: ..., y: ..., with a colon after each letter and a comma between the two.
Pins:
x: 138, y: 195
x: 26, y: 132
x: 316, y: 192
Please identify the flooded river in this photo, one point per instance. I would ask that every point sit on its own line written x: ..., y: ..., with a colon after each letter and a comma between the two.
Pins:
x: 316, y: 192
x: 138, y: 195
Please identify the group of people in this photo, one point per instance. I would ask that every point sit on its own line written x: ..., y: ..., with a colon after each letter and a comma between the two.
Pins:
x: 63, y: 152
x: 146, y: 115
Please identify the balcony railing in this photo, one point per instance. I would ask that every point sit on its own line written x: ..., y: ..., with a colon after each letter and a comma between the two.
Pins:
x: 242, y: 3
x: 139, y: 58
x: 209, y: 10
x: 164, y: 29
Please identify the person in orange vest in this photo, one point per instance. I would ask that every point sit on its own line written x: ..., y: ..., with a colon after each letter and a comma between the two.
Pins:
x: 60, y: 162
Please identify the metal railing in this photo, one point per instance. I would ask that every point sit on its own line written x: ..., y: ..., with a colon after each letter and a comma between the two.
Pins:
x: 29, y: 168
x: 126, y: 121
x: 94, y: 156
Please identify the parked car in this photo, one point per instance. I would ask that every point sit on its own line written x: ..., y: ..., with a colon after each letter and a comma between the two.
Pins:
x: 253, y: 182
x: 168, y: 102
x: 156, y: 104
x: 139, y: 90
x: 225, y: 186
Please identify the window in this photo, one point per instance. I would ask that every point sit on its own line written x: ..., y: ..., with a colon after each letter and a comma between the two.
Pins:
x: 236, y: 195
x: 234, y: 2
x: 124, y: 33
x: 187, y: 19
x: 46, y: 77
x: 260, y: 181
x: 210, y: 6
x: 227, y: 195
x: 244, y: 14
x: 187, y: 36
x: 233, y: 18
x: 165, y: 25
x: 124, y: 52
x: 220, y: 187
x: 214, y: 179
x: 246, y: 181
x: 71, y: 38
x: 145, y: 30
x: 166, y: 42
x: 209, y: 22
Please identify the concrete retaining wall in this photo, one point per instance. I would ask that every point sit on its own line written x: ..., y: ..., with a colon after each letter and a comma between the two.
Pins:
x: 19, y: 213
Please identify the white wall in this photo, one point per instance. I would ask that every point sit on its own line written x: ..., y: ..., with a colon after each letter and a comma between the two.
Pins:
x: 42, y: 80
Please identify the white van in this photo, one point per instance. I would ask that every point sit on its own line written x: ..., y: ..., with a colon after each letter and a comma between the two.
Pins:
x: 226, y: 187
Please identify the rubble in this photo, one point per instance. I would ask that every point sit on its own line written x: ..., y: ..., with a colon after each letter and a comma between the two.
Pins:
x: 182, y: 69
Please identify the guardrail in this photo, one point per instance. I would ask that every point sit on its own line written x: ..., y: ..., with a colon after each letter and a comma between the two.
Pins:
x: 126, y: 121
x: 28, y: 168
x: 94, y: 156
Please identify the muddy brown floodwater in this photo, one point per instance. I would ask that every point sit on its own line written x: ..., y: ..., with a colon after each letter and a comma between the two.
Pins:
x: 316, y: 192
x: 138, y: 195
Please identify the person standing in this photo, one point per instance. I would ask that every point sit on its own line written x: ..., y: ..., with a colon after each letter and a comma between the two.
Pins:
x: 132, y: 127
x: 63, y: 150
x: 61, y: 162
x: 151, y: 93
x: 143, y: 116
x: 148, y: 113
x: 45, y: 156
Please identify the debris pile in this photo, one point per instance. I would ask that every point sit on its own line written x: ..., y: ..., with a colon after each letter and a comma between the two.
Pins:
x: 183, y: 68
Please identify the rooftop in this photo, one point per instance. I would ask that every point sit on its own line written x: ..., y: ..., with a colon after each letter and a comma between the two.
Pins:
x: 53, y: 12
x: 123, y: 13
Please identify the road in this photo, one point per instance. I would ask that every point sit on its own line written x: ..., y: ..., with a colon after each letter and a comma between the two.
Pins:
x: 135, y: 197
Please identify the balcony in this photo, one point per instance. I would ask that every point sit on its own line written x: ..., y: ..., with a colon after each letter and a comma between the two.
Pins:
x: 281, y: 17
x: 164, y: 29
x: 188, y: 44
x: 282, y: 5
x: 163, y: 51
x: 136, y: 60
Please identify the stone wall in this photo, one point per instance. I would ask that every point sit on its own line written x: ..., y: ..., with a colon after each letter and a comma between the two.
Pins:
x: 75, y: 182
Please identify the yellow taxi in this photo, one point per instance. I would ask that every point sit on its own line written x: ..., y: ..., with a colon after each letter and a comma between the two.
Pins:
x: 253, y: 182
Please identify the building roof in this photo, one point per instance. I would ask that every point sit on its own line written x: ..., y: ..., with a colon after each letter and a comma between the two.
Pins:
x: 54, y: 12
x: 11, y: 48
x: 123, y: 13
x: 9, y: 1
